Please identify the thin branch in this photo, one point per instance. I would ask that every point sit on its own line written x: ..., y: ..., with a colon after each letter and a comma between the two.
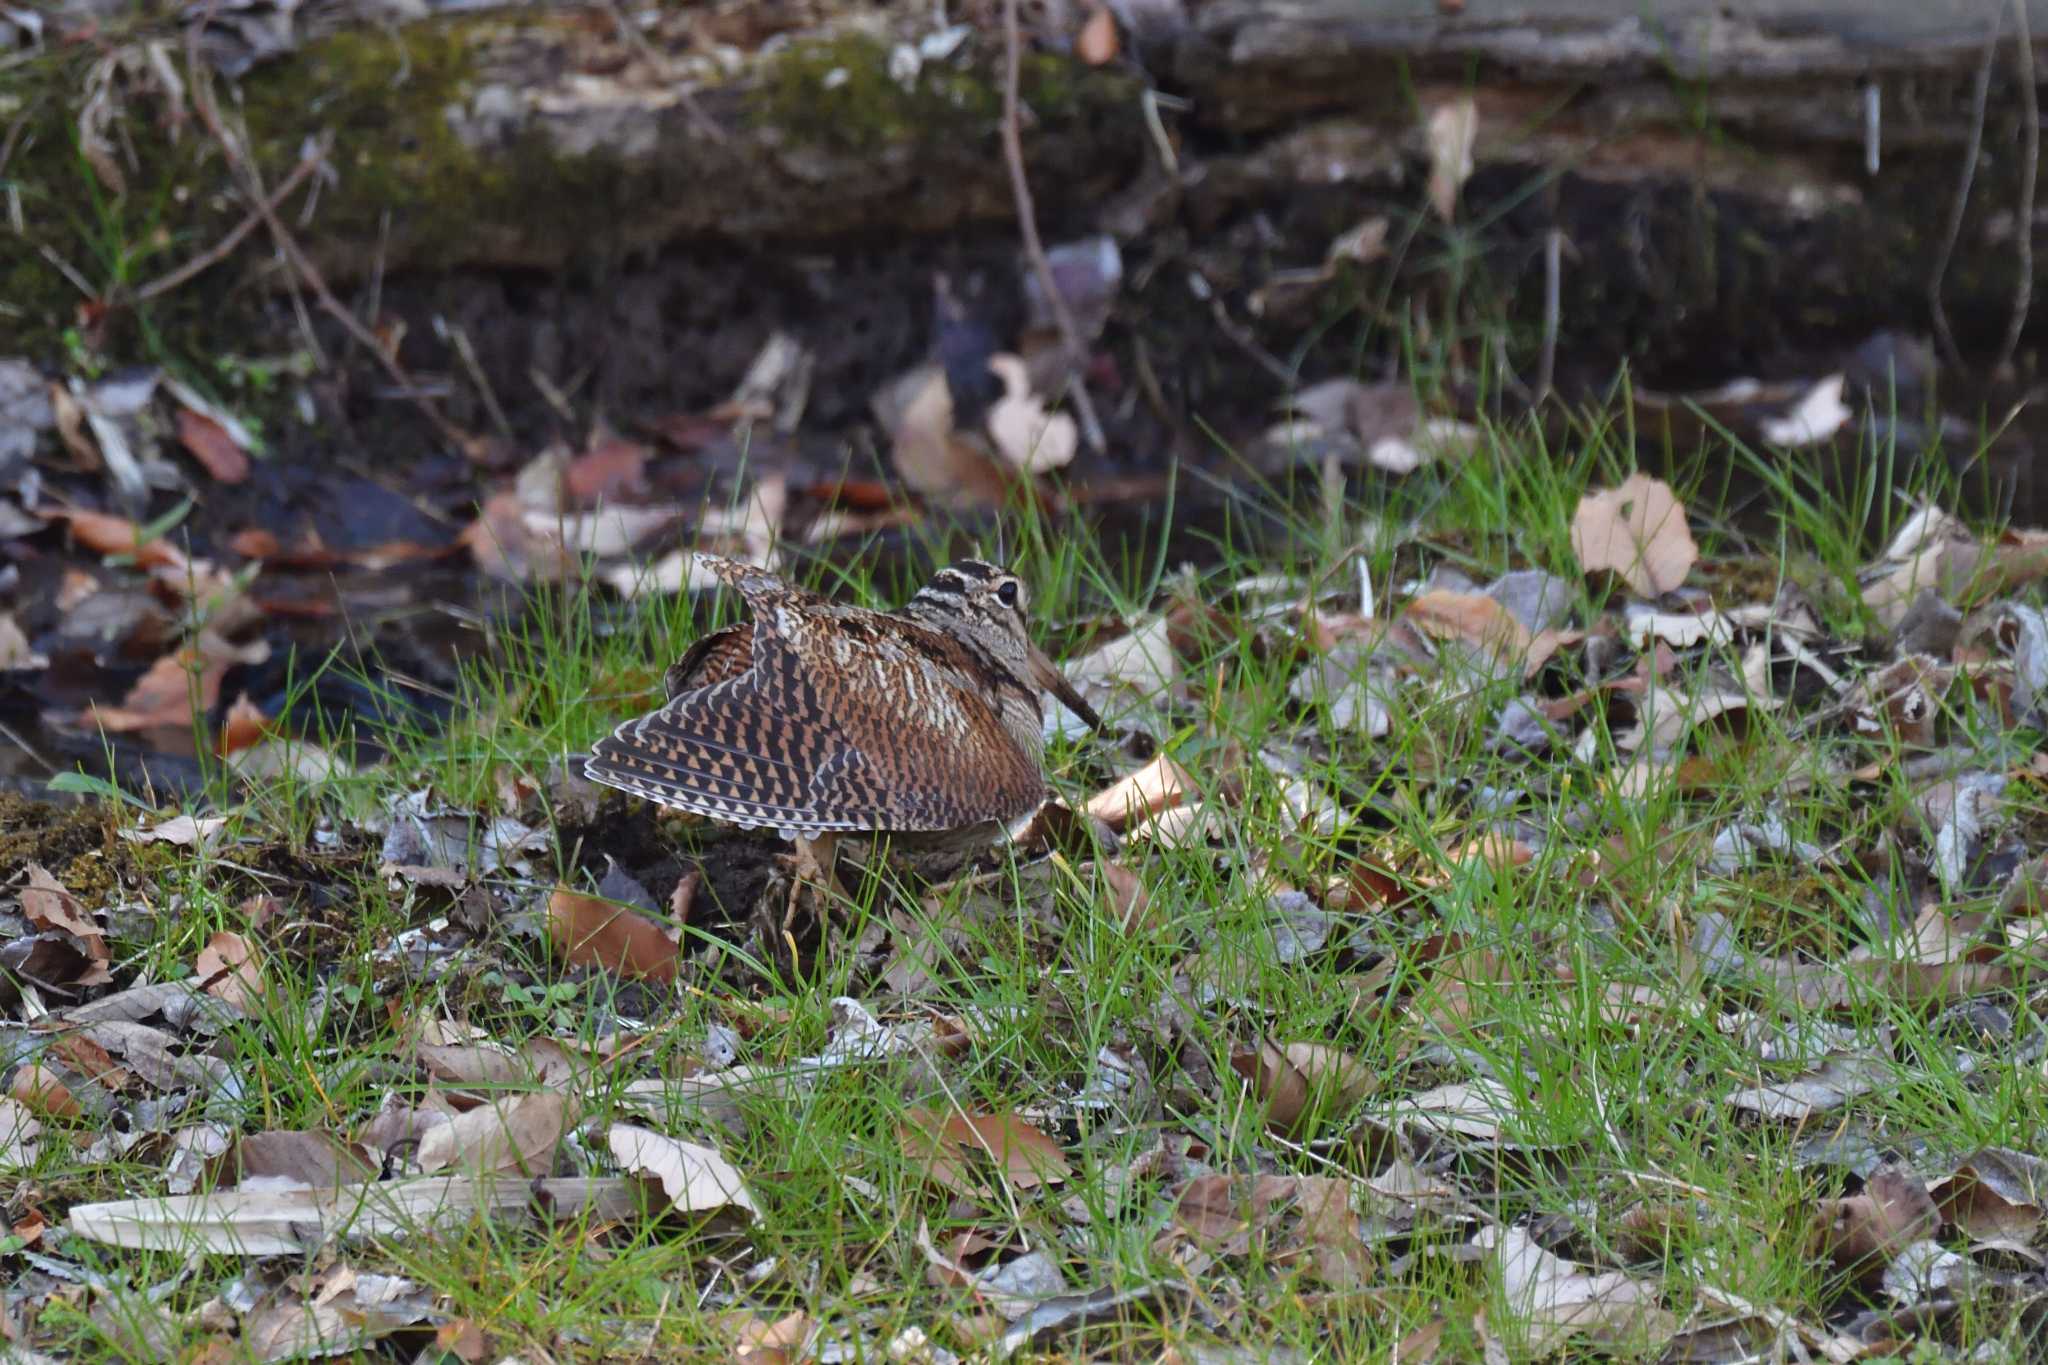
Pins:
x: 1027, y: 227
x: 230, y: 145
x: 2023, y: 237
x: 163, y: 284
x: 1978, y: 97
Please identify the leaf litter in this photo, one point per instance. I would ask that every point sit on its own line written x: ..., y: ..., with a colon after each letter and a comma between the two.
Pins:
x: 1392, y: 1141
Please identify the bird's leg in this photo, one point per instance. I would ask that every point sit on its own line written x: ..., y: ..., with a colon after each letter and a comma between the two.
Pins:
x: 816, y: 863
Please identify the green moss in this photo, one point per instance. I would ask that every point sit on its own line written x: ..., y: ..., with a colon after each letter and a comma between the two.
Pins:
x: 837, y: 93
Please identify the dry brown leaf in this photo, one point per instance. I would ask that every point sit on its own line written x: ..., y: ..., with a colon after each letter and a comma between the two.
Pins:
x: 178, y: 687
x: 243, y: 726
x: 296, y: 1159
x: 757, y: 1341
x: 518, y: 1133
x: 104, y: 533
x: 48, y: 905
x: 1452, y: 132
x: 1159, y: 785
x: 695, y: 1178
x: 1863, y: 1231
x: 929, y: 455
x: 1096, y: 44
x: 1301, y: 1082
x: 1558, y: 1300
x: 1125, y: 891
x: 954, y: 1147
x: 42, y: 1091
x: 1473, y: 617
x: 226, y: 969
x: 212, y: 446
x: 1637, y: 531
x: 590, y: 932
x: 1995, y: 1192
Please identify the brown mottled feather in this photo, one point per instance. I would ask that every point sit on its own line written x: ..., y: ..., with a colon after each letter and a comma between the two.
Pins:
x: 712, y: 659
x: 817, y: 717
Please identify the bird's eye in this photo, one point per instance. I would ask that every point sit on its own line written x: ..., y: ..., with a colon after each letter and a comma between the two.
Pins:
x: 1006, y: 592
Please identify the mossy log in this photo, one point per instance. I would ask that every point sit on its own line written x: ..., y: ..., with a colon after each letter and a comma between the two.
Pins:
x: 1705, y: 157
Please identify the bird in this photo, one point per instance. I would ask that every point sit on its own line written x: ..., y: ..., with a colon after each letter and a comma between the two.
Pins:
x: 822, y: 720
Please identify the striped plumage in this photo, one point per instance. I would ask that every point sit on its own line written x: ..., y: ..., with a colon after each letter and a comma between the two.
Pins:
x: 816, y: 718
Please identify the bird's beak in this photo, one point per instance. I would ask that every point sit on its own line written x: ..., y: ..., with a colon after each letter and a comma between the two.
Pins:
x: 1052, y: 680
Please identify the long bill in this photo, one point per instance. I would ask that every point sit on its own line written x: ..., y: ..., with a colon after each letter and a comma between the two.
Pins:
x: 1048, y: 676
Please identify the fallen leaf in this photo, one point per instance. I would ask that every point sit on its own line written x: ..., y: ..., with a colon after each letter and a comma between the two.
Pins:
x: 107, y: 534
x: 19, y: 1131
x: 931, y: 457
x: 212, y: 446
x: 243, y: 726
x: 951, y: 1148
x: 1137, y: 796
x: 590, y: 932
x: 42, y: 1091
x: 49, y: 906
x: 1637, y: 531
x: 1864, y: 1230
x: 1818, y: 415
x: 1557, y: 1300
x: 180, y: 831
x: 1302, y: 1081
x: 1096, y: 44
x: 1030, y: 438
x: 517, y: 1133
x: 226, y: 969
x: 1452, y: 131
x: 695, y: 1178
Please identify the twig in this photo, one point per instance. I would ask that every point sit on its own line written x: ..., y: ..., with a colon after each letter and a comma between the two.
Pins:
x: 2023, y: 292
x: 635, y: 39
x: 467, y: 354
x: 1978, y: 97
x: 1249, y: 344
x: 67, y: 270
x: 163, y: 284
x: 202, y: 100
x: 1027, y: 227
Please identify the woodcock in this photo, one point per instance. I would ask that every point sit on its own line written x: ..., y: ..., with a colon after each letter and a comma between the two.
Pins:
x: 819, y: 719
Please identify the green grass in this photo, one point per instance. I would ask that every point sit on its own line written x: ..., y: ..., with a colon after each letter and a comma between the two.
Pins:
x: 1569, y: 980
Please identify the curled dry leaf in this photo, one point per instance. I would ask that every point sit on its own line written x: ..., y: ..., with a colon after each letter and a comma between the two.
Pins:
x: 1817, y: 415
x: 212, y: 446
x: 516, y: 1133
x: 1301, y: 1082
x: 1028, y: 436
x: 48, y: 905
x: 1453, y: 131
x: 590, y: 932
x: 1159, y: 785
x: 42, y: 1091
x: 180, y: 831
x: 695, y: 1178
x: 226, y: 969
x: 1637, y: 531
x: 930, y: 456
x: 1861, y: 1232
x: 244, y: 725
